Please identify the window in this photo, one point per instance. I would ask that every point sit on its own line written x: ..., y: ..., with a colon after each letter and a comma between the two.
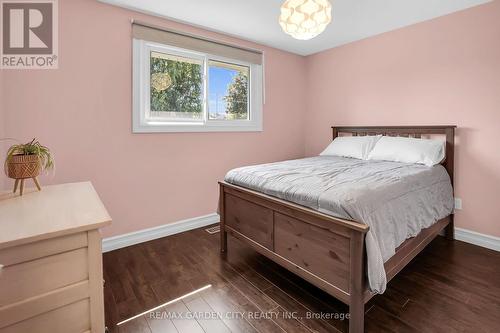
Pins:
x: 176, y: 88
x: 180, y: 90
x: 228, y: 87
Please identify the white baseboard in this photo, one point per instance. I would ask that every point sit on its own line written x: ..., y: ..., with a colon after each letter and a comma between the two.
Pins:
x: 476, y: 238
x: 136, y: 237
x: 117, y: 242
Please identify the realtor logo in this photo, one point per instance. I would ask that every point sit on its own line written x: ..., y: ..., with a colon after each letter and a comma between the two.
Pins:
x: 29, y: 34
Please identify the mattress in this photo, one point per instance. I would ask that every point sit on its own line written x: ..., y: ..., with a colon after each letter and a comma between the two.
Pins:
x: 397, y: 200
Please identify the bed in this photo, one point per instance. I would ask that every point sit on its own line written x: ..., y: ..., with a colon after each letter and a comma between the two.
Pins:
x: 280, y: 210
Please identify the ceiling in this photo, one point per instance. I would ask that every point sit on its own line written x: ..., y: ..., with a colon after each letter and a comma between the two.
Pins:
x: 257, y: 20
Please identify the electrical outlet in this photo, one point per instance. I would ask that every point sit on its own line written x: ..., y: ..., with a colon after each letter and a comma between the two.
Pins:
x: 458, y: 204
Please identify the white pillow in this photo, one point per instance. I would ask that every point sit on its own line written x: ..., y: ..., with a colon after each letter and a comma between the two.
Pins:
x: 351, y: 146
x: 408, y: 150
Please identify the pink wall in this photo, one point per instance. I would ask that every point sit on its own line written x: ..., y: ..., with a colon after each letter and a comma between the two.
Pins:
x: 82, y: 111
x: 444, y: 71
x: 3, y: 144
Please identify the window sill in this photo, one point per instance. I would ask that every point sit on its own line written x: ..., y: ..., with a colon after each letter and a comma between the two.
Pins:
x: 195, y: 128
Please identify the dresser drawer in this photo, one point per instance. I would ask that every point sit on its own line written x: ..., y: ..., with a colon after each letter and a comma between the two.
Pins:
x: 26, y: 252
x: 35, y: 277
x: 73, y: 318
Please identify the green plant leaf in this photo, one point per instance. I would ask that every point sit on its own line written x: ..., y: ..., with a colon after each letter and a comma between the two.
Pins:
x: 31, y: 148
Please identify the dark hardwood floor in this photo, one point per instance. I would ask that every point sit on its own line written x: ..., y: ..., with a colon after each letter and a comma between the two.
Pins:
x: 449, y: 287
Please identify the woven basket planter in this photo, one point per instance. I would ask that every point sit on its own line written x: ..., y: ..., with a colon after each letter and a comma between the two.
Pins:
x: 24, y: 166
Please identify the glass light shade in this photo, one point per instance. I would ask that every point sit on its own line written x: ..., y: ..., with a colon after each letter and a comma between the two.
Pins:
x: 305, y: 19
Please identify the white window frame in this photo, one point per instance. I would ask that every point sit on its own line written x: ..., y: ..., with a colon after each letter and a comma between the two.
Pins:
x: 141, y: 94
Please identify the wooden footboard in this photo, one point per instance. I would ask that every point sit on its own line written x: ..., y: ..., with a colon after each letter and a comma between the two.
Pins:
x: 326, y: 251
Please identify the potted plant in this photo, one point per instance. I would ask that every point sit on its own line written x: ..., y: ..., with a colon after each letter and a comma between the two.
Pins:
x: 27, y: 160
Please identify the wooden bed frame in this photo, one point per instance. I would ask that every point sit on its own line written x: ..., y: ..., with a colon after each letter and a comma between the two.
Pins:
x: 328, y: 252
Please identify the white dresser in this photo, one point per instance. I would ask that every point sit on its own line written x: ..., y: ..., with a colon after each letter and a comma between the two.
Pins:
x: 51, y: 261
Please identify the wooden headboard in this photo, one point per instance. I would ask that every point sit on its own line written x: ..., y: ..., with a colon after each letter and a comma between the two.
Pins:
x: 408, y: 131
